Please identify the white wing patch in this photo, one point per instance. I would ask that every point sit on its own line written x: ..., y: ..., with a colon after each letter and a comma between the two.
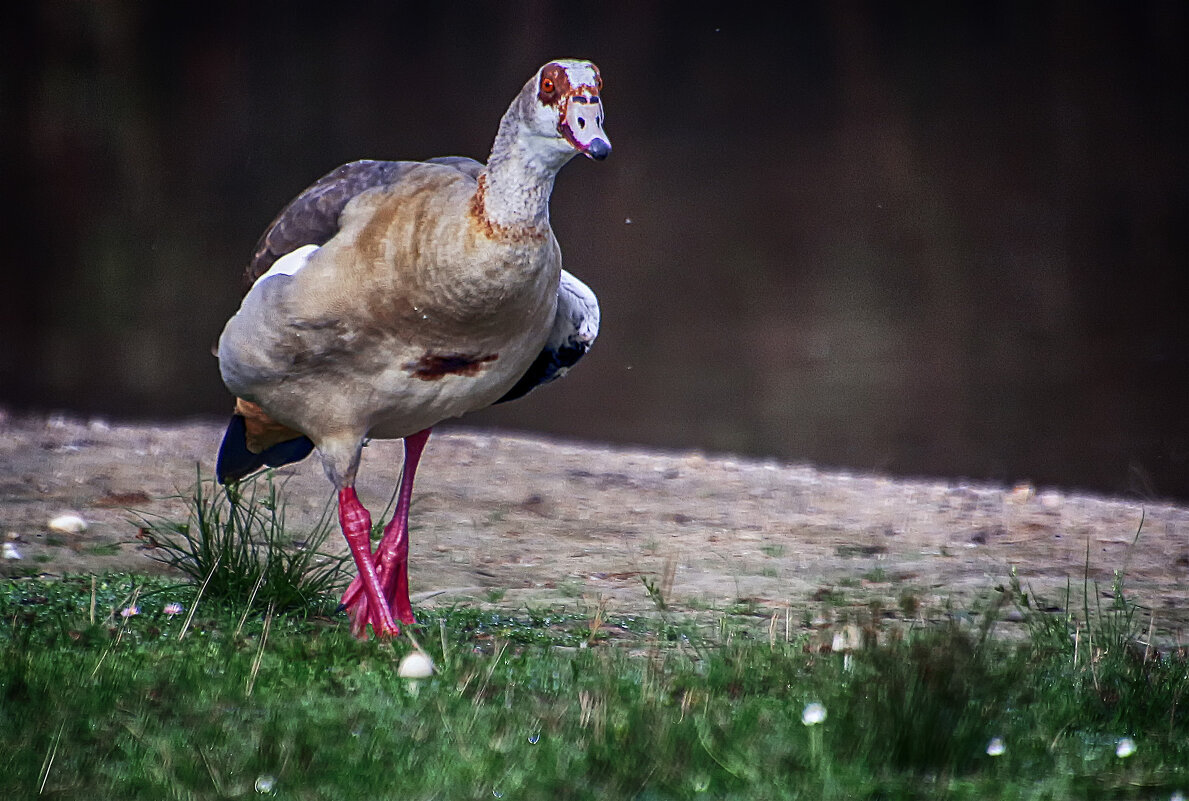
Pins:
x: 575, y: 327
x: 577, y: 306
x: 290, y: 263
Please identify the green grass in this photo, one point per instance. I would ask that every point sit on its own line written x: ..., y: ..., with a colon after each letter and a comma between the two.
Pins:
x: 560, y: 703
x: 106, y: 549
x: 232, y: 696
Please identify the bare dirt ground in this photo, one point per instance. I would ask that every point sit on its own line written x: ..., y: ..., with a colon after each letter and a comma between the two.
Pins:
x: 517, y: 520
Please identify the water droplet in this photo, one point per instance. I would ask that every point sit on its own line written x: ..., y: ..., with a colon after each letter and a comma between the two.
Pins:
x: 532, y: 738
x: 497, y: 792
x: 265, y: 784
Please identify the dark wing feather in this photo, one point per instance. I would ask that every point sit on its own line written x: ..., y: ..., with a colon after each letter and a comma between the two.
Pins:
x: 550, y: 364
x: 236, y: 460
x: 312, y: 218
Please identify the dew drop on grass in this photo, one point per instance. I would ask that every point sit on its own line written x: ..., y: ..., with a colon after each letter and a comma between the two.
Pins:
x: 532, y: 738
x: 265, y: 784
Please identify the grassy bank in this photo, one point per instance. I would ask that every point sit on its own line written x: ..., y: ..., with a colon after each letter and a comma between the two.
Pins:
x: 244, y: 681
x: 561, y: 703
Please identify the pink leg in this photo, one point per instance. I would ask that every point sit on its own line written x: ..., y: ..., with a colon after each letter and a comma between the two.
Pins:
x: 357, y: 528
x: 391, y: 559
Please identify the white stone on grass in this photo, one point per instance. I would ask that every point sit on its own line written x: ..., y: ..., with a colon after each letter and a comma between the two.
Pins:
x: 416, y: 665
x: 813, y: 714
x: 68, y: 524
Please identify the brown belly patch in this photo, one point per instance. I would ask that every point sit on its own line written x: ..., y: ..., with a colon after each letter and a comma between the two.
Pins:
x: 432, y: 366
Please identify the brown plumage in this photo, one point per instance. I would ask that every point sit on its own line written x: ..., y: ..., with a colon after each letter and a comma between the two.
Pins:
x: 392, y: 295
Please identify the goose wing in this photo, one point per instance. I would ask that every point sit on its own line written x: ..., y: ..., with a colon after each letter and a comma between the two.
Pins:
x: 312, y: 218
x: 575, y: 327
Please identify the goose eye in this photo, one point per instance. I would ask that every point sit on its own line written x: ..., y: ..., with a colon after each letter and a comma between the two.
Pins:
x: 547, y: 86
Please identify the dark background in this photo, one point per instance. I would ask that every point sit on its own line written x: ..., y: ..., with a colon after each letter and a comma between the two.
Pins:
x: 924, y: 237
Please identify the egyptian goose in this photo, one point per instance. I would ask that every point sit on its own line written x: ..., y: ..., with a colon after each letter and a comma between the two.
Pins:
x: 392, y: 295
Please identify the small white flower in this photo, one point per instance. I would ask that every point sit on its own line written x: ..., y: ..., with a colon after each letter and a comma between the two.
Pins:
x: 68, y: 524
x: 416, y: 665
x: 173, y: 609
x: 129, y: 611
x: 11, y: 552
x: 813, y: 714
x: 996, y: 747
x: 1125, y: 748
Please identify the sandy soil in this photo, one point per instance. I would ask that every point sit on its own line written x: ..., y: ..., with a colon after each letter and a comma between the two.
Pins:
x: 517, y: 520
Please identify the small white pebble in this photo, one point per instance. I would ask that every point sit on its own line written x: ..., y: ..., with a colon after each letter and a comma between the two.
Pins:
x: 11, y: 552
x: 1125, y: 748
x: 813, y: 714
x: 68, y: 524
x: 416, y: 665
x: 1050, y: 499
x: 996, y: 747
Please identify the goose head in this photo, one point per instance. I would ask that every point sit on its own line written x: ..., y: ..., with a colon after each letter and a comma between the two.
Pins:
x: 559, y: 113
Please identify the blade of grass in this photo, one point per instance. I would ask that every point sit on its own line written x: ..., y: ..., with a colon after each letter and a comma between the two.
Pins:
x: 197, y: 598
x: 248, y: 607
x: 260, y: 651
x: 49, y: 760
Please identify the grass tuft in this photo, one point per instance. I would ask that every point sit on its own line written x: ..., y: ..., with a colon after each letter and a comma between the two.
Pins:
x: 234, y: 545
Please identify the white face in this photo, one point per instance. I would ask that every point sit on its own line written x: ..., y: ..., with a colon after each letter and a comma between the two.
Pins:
x: 569, y: 106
